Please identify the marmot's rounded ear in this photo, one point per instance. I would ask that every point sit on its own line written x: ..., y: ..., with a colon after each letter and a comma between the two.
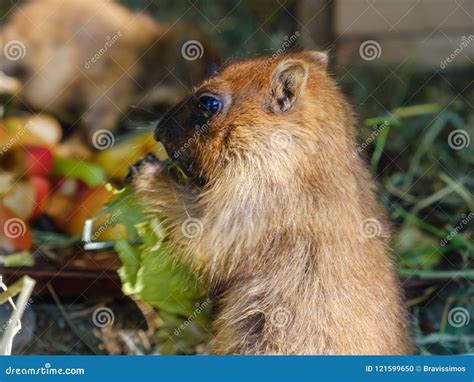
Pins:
x: 318, y: 57
x: 287, y: 81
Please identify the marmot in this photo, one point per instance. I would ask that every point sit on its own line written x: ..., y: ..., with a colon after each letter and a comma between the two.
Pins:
x: 87, y: 61
x: 287, y: 228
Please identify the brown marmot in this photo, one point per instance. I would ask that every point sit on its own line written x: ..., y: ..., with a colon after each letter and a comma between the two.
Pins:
x: 281, y: 217
x: 88, y: 61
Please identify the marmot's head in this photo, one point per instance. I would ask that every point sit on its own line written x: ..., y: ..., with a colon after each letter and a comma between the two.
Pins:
x: 259, y: 112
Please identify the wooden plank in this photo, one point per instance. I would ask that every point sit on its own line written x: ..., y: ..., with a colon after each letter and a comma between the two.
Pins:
x: 400, y: 16
x: 85, y: 274
x: 439, y: 52
x: 316, y: 16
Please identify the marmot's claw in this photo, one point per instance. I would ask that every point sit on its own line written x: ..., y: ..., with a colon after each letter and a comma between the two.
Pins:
x: 150, y: 160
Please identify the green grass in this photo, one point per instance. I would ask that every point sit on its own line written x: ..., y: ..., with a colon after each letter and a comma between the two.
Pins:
x: 426, y: 186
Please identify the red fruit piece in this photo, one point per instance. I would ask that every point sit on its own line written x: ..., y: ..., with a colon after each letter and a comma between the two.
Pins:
x: 38, y: 160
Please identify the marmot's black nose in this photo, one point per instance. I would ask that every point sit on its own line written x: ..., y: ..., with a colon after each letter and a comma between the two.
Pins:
x: 168, y: 129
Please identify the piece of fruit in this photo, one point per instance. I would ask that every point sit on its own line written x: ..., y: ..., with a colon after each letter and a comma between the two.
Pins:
x: 7, y: 180
x: 59, y: 208
x: 15, y: 234
x: 27, y: 197
x: 20, y: 199
x: 42, y: 187
x: 39, y: 160
x: 74, y: 148
x: 105, y: 227
x: 67, y: 187
x: 116, y: 159
x: 38, y: 129
x: 28, y: 161
x: 90, y: 173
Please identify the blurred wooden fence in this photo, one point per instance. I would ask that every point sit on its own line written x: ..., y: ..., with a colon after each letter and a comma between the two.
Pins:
x: 431, y: 33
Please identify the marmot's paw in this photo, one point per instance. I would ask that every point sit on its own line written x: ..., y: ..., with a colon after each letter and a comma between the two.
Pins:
x: 148, y: 165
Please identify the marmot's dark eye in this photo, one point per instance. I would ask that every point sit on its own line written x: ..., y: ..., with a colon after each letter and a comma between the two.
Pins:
x: 209, y: 104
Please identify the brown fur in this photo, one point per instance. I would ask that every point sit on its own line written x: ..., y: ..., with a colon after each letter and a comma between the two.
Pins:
x: 140, y: 64
x: 282, y: 242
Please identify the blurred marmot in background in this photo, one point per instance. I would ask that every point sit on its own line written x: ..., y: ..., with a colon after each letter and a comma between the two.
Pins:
x: 282, y: 219
x: 93, y: 59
